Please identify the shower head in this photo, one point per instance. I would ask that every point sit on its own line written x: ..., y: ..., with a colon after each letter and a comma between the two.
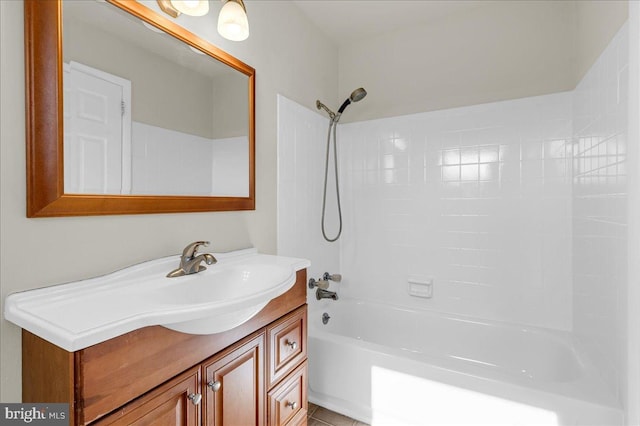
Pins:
x: 355, y: 96
x: 358, y: 94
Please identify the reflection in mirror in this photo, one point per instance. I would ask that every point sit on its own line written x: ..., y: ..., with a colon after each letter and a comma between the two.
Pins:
x: 146, y: 114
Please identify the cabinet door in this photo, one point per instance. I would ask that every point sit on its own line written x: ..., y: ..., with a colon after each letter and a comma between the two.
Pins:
x: 234, y: 385
x: 175, y: 403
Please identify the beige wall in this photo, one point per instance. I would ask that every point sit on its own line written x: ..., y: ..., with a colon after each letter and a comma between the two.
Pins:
x: 230, y: 106
x: 597, y: 22
x: 497, y: 51
x: 41, y: 252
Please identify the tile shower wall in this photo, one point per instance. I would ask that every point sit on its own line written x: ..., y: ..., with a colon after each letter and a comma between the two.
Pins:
x: 516, y: 210
x: 477, y: 199
x: 302, y: 137
x: 600, y: 210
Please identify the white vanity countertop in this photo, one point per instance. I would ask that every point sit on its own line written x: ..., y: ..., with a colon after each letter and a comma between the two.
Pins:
x: 76, y: 315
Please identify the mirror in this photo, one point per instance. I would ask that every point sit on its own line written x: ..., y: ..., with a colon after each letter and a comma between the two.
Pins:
x: 183, y: 138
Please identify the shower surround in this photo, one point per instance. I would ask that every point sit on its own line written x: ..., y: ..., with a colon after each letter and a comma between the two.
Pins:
x: 476, y: 198
x: 515, y: 209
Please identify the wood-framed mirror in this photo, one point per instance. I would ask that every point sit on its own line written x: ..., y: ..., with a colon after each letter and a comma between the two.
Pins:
x: 51, y: 193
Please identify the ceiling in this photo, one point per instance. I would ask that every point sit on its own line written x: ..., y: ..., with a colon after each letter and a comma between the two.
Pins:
x: 345, y: 21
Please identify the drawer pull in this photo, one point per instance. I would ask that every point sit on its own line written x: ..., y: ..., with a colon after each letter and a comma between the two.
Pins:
x: 214, y: 386
x: 195, y: 398
x: 292, y: 345
x: 293, y: 405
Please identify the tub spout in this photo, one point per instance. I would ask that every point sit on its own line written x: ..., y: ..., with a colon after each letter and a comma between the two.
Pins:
x: 326, y: 294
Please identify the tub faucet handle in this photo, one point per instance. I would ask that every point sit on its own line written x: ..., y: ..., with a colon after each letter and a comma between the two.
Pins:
x: 336, y: 278
x: 323, y: 284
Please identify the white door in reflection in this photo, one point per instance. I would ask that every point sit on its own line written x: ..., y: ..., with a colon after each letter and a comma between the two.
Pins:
x: 97, y: 133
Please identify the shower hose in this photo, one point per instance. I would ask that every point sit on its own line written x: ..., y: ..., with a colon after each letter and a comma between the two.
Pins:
x: 333, y: 124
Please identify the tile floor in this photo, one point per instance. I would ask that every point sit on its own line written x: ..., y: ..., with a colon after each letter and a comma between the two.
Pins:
x: 320, y: 416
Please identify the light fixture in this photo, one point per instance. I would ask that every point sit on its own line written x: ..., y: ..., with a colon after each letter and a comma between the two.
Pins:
x: 232, y: 21
x: 174, y: 8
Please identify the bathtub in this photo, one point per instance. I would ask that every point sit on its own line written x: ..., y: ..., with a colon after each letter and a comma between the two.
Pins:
x: 389, y: 365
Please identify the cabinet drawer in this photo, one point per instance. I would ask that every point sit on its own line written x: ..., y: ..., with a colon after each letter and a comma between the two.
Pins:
x: 287, y: 344
x: 288, y: 401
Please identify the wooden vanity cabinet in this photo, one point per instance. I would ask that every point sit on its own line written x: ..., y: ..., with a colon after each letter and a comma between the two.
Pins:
x: 254, y: 374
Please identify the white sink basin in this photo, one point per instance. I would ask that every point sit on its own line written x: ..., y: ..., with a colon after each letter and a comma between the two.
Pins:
x: 83, y: 313
x: 233, y: 294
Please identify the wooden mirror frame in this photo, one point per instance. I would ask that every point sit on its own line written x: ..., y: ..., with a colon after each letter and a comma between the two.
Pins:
x: 44, y: 119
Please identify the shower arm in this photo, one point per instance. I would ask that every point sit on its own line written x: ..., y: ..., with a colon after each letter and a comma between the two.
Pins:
x: 320, y: 105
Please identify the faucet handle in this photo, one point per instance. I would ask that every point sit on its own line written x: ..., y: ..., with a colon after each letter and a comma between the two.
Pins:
x: 336, y: 278
x: 192, y: 249
x: 323, y: 284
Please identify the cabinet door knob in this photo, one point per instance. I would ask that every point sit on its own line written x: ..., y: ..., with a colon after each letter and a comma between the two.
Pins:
x: 293, y: 405
x: 292, y: 345
x: 195, y: 398
x: 214, y: 385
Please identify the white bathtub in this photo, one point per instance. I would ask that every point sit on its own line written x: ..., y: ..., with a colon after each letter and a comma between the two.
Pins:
x: 387, y: 365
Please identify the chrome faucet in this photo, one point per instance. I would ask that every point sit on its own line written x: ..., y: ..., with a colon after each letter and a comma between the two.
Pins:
x: 190, y: 263
x: 326, y: 294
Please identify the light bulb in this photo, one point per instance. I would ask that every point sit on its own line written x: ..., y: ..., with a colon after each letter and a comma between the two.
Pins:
x: 232, y: 22
x: 191, y: 7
